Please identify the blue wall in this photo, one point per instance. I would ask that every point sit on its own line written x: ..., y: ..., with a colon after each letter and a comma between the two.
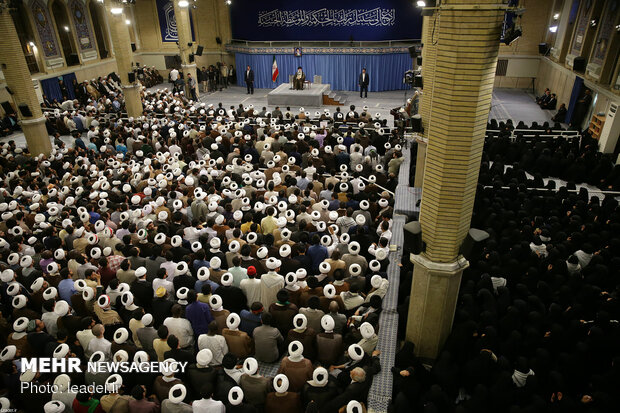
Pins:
x: 341, y: 71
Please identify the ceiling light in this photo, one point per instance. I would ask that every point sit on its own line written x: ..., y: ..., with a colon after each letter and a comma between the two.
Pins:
x: 556, y: 16
x: 229, y: 2
x: 553, y: 29
x: 66, y: 28
x: 116, y: 10
x: 127, y: 22
x: 31, y: 44
x: 183, y: 3
x: 427, y: 6
x: 593, y: 22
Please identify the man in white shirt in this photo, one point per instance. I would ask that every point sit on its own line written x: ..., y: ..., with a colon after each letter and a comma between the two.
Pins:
x: 174, y: 148
x: 99, y: 343
x: 207, y: 404
x: 169, y: 266
x: 180, y: 327
x: 251, y: 286
x: 162, y: 281
x: 174, y: 75
x: 86, y: 335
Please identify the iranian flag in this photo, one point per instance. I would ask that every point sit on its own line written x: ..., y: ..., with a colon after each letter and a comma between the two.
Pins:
x: 274, y: 70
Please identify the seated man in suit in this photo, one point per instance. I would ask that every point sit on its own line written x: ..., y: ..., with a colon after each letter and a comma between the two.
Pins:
x: 550, y: 104
x: 561, y: 115
x: 298, y: 79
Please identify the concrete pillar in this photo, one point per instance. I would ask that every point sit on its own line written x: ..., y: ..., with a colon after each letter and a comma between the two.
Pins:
x: 18, y: 79
x: 184, y: 32
x: 429, y: 54
x: 466, y: 44
x: 119, y: 33
x: 420, y: 161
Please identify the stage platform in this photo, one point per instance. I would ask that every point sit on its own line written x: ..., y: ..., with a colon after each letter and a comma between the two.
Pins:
x: 312, y: 97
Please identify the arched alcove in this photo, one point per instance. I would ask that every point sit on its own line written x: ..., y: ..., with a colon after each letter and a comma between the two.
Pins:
x: 60, y: 14
x: 25, y: 34
x: 97, y: 16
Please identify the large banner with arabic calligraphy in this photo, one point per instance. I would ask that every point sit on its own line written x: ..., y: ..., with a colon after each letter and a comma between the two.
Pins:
x: 168, y: 23
x: 344, y: 20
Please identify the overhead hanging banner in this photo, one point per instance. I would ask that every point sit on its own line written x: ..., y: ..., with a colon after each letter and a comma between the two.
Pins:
x: 344, y: 20
x: 168, y: 23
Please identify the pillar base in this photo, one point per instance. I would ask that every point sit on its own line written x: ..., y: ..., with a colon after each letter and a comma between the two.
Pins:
x: 190, y: 68
x: 133, y: 102
x: 420, y: 161
x: 434, y: 294
x: 37, y: 139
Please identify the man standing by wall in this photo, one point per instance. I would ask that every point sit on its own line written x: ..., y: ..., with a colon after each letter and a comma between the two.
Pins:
x: 174, y: 76
x: 363, y: 82
x: 224, y: 74
x: 191, y: 84
x: 204, y: 78
x: 249, y: 79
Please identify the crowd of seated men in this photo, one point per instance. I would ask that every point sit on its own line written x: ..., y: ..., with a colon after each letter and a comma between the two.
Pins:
x: 221, y: 239
x: 536, y: 326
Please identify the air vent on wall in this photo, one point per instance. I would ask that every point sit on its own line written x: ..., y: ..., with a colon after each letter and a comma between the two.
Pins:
x: 502, y: 66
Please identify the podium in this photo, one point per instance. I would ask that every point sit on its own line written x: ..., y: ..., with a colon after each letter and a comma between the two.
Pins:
x: 311, y: 95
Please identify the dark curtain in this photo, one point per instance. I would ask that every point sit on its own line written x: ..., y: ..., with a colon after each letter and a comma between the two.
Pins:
x: 574, y: 97
x: 51, y: 87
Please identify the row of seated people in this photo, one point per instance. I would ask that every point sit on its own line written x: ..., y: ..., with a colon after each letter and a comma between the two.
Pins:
x: 508, y: 125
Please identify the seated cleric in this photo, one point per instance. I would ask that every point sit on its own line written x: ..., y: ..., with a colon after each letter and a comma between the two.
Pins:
x: 299, y: 79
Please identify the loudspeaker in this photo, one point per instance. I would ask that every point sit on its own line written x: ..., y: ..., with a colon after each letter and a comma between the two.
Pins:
x: 133, y: 47
x: 412, y: 52
x: 131, y: 76
x: 412, y: 232
x: 416, y: 123
x: 473, y: 242
x: 6, y: 106
x: 543, y: 48
x: 417, y: 81
x: 199, y: 50
x: 191, y: 58
x: 25, y: 110
x: 579, y: 64
x: 419, y: 60
x: 218, y: 40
